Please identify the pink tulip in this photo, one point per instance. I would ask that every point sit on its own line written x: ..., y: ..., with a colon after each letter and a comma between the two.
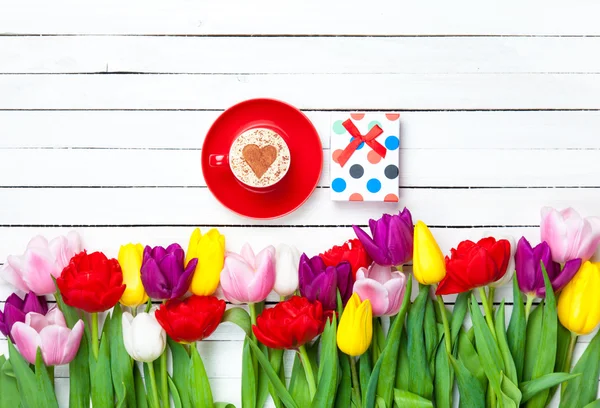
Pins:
x: 248, y: 278
x: 50, y: 333
x: 42, y: 260
x: 569, y: 235
x: 384, y: 289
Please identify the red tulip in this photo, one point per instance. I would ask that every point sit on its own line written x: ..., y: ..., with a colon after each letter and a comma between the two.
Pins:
x: 191, y: 319
x: 290, y: 324
x: 351, y: 251
x: 91, y: 282
x: 472, y: 265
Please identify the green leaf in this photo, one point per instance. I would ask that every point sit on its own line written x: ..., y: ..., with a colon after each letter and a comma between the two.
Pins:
x: 45, y: 384
x: 407, y: 399
x: 380, y: 403
x: 365, y: 368
x: 487, y: 349
x: 299, y: 385
x: 420, y: 381
x: 532, y: 342
x: 344, y: 391
x: 531, y: 388
x: 582, y: 390
x: 387, y: 376
x: 458, y: 314
x: 546, y: 358
x: 9, y: 391
x: 370, y: 394
x: 562, y: 349
x: 276, y: 360
x: 149, y: 386
x: 174, y: 393
x: 469, y: 358
x: 443, y: 380
x: 26, y: 381
x: 140, y: 392
x: 511, y: 395
x: 430, y: 332
x: 328, y: 367
x: 249, y: 379
x: 403, y: 365
x: 120, y: 362
x: 200, y: 392
x: 517, y: 329
x: 510, y: 369
x: 263, y: 381
x: 595, y: 404
x: 122, y: 401
x: 471, y: 390
x: 102, y: 390
x: 224, y: 405
x: 79, y: 370
x: 181, y: 365
x: 283, y: 393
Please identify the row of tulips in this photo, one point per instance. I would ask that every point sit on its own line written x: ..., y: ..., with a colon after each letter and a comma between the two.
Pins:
x: 347, y: 315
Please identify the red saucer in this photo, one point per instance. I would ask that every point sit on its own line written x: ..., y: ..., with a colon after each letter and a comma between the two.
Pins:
x: 305, y: 165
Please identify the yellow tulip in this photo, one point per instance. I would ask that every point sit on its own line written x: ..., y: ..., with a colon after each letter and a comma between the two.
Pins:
x: 579, y: 301
x: 130, y: 259
x: 429, y: 266
x: 210, y: 251
x: 355, y: 330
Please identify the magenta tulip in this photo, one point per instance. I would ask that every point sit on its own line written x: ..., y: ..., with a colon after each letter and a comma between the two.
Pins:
x: 248, y: 278
x: 50, y: 334
x: 383, y: 287
x: 42, y: 260
x: 569, y: 235
x: 15, y: 310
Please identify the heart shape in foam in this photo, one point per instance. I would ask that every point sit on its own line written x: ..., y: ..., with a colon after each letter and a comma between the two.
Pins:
x: 259, y: 158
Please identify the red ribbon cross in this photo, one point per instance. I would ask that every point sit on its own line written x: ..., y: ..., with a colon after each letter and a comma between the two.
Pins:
x: 369, y: 139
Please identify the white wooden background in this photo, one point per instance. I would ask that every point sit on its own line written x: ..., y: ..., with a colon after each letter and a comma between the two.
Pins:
x: 104, y: 107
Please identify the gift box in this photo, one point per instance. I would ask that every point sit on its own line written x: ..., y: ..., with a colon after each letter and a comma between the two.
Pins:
x: 364, y: 156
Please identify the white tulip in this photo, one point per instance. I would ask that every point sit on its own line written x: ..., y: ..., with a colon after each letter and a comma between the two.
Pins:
x: 144, y: 338
x: 286, y: 278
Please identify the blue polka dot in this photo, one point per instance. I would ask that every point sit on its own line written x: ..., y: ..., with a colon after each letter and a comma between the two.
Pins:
x: 392, y: 142
x: 338, y: 185
x: 360, y: 146
x: 373, y: 185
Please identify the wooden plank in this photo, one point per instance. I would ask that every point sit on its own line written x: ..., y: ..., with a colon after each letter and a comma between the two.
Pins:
x: 418, y: 167
x: 463, y: 17
x: 186, y: 129
x: 300, y: 55
x: 184, y: 206
x: 306, y: 91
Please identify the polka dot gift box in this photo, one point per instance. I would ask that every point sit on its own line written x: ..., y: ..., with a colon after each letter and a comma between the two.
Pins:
x: 364, y: 156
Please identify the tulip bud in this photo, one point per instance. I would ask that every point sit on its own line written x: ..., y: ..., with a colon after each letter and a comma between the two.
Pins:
x: 428, y: 261
x: 355, y: 330
x: 209, y: 249
x: 145, y: 340
x: 130, y: 258
x: 579, y: 301
x: 286, y: 266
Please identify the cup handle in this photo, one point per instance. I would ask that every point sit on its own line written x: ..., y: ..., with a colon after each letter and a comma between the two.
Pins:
x: 218, y: 160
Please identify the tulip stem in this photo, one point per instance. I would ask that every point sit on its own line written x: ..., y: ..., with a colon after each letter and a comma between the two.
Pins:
x: 355, y: 381
x: 252, y: 308
x: 308, y: 371
x: 153, y: 384
x: 528, y: 305
x: 569, y: 359
x: 447, y: 335
x: 148, y: 306
x: 491, y: 293
x: 95, y: 344
x: 164, y: 380
x: 488, y: 311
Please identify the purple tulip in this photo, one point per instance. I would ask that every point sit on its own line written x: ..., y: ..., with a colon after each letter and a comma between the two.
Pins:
x: 320, y: 282
x: 15, y: 310
x: 529, y: 269
x: 392, y: 242
x: 163, y: 274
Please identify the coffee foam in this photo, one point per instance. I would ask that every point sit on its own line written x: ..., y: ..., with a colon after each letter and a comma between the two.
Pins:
x: 260, y: 137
